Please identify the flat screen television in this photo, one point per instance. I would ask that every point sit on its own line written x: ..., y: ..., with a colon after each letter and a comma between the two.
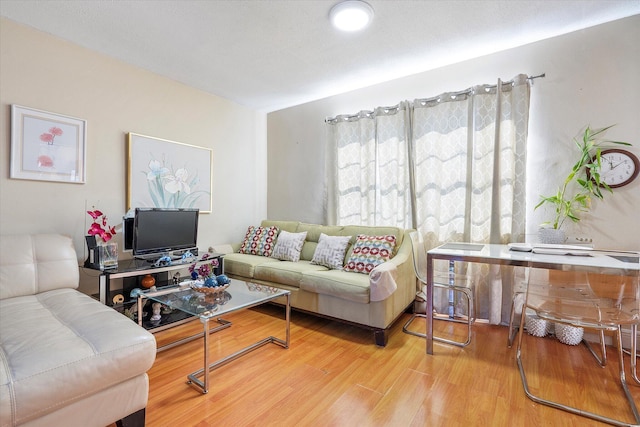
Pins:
x: 158, y: 232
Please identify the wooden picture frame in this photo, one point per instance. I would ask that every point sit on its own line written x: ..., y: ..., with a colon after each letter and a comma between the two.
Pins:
x: 168, y: 174
x: 47, y: 146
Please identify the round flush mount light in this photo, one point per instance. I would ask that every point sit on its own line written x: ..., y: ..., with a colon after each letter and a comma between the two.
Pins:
x: 351, y: 15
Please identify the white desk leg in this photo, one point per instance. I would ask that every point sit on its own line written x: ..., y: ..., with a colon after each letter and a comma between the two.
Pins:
x: 429, y: 305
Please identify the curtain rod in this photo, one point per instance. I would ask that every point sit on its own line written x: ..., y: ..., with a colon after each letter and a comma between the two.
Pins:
x: 470, y: 90
x: 537, y: 77
x: 425, y: 100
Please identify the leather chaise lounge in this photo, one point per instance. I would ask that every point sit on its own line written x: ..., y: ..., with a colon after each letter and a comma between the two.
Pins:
x: 65, y: 358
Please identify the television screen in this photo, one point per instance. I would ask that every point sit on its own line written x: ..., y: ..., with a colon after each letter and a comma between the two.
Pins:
x: 162, y: 231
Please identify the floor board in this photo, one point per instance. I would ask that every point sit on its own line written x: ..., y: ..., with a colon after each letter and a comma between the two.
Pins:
x: 333, y: 375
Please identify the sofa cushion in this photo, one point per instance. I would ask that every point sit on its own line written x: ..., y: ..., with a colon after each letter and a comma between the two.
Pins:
x: 289, y: 245
x: 57, y: 350
x: 313, y: 236
x: 356, y: 230
x: 259, y: 240
x: 370, y: 251
x: 244, y: 265
x: 337, y: 283
x: 285, y: 272
x: 290, y: 226
x: 43, y: 262
x: 330, y: 251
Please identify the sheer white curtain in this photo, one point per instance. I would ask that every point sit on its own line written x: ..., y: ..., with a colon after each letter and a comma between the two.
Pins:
x: 452, y: 167
x: 371, y: 168
x: 469, y: 151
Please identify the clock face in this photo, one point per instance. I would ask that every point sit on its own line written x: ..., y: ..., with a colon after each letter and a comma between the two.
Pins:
x: 618, y: 167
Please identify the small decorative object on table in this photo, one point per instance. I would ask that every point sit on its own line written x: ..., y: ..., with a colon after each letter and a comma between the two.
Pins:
x: 148, y: 281
x: 567, y: 334
x: 157, y: 316
x: 204, y: 277
x: 536, y: 326
x: 104, y: 254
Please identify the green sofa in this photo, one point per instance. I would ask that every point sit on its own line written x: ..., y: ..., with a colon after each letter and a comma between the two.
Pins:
x: 373, y: 301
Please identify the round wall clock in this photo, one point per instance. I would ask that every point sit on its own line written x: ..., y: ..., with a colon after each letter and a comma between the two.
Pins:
x: 618, y: 167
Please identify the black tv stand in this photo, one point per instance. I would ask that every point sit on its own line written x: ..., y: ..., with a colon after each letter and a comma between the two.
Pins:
x: 139, y: 268
x: 174, y: 255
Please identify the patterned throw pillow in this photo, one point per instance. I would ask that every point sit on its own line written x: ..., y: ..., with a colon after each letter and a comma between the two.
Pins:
x: 330, y: 251
x: 259, y: 241
x: 370, y: 251
x: 289, y: 245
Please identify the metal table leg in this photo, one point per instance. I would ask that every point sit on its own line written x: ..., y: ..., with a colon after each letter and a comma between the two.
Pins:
x: 192, y: 378
x: 429, y: 305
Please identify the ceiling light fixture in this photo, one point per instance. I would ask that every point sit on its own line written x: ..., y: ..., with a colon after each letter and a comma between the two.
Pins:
x: 351, y: 15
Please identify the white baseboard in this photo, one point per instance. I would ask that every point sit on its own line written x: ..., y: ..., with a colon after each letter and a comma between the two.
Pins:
x: 626, y: 338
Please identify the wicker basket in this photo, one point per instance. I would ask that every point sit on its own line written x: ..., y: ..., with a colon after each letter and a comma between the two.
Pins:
x: 570, y: 335
x: 536, y: 326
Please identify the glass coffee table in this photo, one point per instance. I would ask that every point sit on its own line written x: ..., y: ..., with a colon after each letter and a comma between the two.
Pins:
x: 239, y: 295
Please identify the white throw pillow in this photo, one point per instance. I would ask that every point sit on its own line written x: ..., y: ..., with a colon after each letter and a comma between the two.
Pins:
x: 330, y: 251
x: 289, y: 245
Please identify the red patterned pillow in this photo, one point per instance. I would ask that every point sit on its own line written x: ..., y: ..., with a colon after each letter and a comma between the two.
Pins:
x: 259, y: 241
x: 370, y: 251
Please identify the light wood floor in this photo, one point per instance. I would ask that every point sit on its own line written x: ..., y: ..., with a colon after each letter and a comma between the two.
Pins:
x: 333, y: 375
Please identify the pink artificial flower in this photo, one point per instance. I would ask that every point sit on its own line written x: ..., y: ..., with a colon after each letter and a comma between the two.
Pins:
x: 95, y: 214
x: 55, y: 131
x: 46, y: 137
x: 204, y: 270
x: 45, y: 161
x: 96, y: 228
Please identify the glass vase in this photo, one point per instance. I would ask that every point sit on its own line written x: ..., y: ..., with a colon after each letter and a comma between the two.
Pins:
x: 108, y: 254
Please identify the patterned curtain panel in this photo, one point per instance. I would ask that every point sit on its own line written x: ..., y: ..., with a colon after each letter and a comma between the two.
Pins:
x: 469, y: 153
x: 371, y: 168
x: 452, y: 167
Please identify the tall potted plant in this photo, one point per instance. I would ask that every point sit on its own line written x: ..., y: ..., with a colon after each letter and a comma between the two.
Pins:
x: 579, y: 187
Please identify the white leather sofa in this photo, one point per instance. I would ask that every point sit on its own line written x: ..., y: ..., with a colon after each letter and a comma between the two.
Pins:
x: 65, y: 358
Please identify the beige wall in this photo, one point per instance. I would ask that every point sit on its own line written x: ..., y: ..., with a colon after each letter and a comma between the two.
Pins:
x: 47, y: 73
x: 593, y: 77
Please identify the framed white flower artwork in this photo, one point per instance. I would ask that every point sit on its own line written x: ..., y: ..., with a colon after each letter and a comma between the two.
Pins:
x: 168, y: 174
x: 47, y: 146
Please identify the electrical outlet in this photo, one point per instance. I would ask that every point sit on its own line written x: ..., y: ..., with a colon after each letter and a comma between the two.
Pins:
x: 579, y: 240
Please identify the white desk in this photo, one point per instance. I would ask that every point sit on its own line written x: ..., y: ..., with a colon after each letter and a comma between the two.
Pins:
x: 597, y: 262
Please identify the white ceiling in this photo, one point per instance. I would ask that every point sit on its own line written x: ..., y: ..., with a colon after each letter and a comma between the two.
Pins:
x: 272, y: 54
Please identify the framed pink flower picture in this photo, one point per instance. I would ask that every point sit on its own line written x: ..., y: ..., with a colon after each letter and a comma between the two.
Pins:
x: 47, y: 146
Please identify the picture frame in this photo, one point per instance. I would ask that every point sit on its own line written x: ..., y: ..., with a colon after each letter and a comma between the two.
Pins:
x: 168, y: 174
x: 47, y: 146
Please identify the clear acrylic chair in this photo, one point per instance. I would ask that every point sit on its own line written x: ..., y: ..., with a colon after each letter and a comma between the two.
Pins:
x: 517, y: 302
x: 455, y: 283
x: 575, y: 301
x: 556, y: 278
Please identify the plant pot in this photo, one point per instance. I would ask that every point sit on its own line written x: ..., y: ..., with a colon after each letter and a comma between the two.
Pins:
x: 551, y: 236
